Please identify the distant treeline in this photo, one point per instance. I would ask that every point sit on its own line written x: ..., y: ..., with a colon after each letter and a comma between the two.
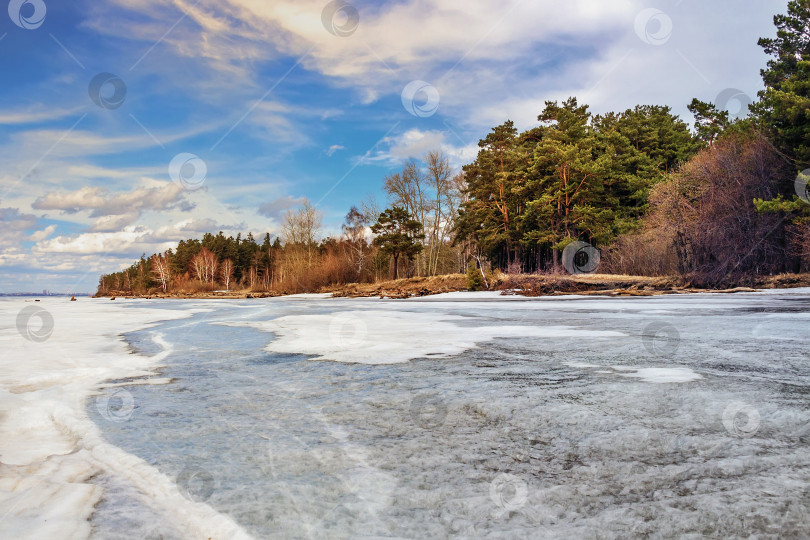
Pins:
x: 716, y: 204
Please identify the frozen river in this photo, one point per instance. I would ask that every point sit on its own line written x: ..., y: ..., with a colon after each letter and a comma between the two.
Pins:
x: 461, y: 415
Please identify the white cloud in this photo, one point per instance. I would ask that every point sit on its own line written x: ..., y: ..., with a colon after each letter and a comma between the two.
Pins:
x: 118, y: 242
x: 114, y: 223
x: 414, y: 144
x: 91, y: 172
x: 14, y: 224
x: 275, y: 208
x: 490, y: 61
x: 194, y: 227
x: 45, y: 233
x: 334, y: 148
x: 393, y: 44
x: 35, y: 114
x: 103, y: 204
x: 130, y: 241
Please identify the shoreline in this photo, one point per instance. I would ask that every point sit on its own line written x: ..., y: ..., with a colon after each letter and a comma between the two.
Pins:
x: 531, y: 285
x: 52, y: 450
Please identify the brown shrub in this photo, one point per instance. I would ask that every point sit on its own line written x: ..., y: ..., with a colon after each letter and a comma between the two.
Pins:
x: 702, y: 221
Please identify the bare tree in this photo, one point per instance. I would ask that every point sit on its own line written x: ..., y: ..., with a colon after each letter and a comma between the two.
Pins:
x: 433, y: 196
x: 706, y: 213
x: 226, y: 273
x: 354, y: 236
x: 301, y: 228
x: 252, y: 277
x: 204, y: 266
x: 196, y: 267
x: 408, y: 189
x: 371, y: 208
x: 456, y: 197
x: 161, y: 270
x: 439, y: 174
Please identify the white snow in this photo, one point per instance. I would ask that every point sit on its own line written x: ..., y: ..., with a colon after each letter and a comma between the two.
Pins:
x: 49, y: 448
x: 646, y: 374
x: 391, y: 336
x: 665, y: 375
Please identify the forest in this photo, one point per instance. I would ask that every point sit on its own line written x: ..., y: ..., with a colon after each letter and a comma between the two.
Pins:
x: 717, y: 203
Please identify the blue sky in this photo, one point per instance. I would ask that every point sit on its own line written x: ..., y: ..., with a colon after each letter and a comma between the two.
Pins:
x: 284, y: 100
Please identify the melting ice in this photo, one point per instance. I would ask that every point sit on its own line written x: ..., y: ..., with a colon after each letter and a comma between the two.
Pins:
x: 454, y: 415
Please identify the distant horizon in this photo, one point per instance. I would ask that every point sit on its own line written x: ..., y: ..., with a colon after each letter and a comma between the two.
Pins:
x: 50, y: 293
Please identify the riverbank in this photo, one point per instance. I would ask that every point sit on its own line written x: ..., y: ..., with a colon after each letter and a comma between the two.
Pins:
x: 522, y: 284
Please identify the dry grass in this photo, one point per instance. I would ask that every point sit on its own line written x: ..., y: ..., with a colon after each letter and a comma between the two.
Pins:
x: 402, y: 288
x: 521, y: 284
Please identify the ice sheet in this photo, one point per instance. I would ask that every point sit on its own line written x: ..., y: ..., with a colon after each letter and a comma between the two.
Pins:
x: 392, y: 336
x: 565, y: 409
x: 49, y: 449
x: 690, y: 422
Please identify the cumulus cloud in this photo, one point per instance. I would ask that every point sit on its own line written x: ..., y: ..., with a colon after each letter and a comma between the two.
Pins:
x: 198, y: 225
x: 13, y: 221
x: 194, y: 227
x: 101, y: 203
x: 275, y: 208
x: 15, y: 225
x: 39, y: 236
x: 126, y: 241
x: 112, y: 223
x: 130, y: 240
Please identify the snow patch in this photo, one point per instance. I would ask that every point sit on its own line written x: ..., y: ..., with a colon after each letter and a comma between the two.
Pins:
x: 391, y: 337
x: 49, y: 448
x: 647, y: 374
x: 665, y: 375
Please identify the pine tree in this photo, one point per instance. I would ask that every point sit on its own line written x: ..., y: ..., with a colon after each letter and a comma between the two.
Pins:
x: 568, y: 198
x: 398, y: 234
x: 784, y: 104
x: 489, y: 215
x: 709, y: 122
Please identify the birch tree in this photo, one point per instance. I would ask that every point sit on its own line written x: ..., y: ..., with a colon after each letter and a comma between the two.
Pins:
x: 161, y: 269
x: 226, y: 273
x: 301, y: 228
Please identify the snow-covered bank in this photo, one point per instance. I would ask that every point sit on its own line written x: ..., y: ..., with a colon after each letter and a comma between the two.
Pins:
x: 55, y: 354
x: 393, y: 336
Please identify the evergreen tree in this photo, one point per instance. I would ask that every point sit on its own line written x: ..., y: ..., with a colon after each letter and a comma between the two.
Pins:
x: 784, y: 104
x: 574, y: 176
x: 489, y: 215
x: 398, y: 234
x: 709, y: 122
